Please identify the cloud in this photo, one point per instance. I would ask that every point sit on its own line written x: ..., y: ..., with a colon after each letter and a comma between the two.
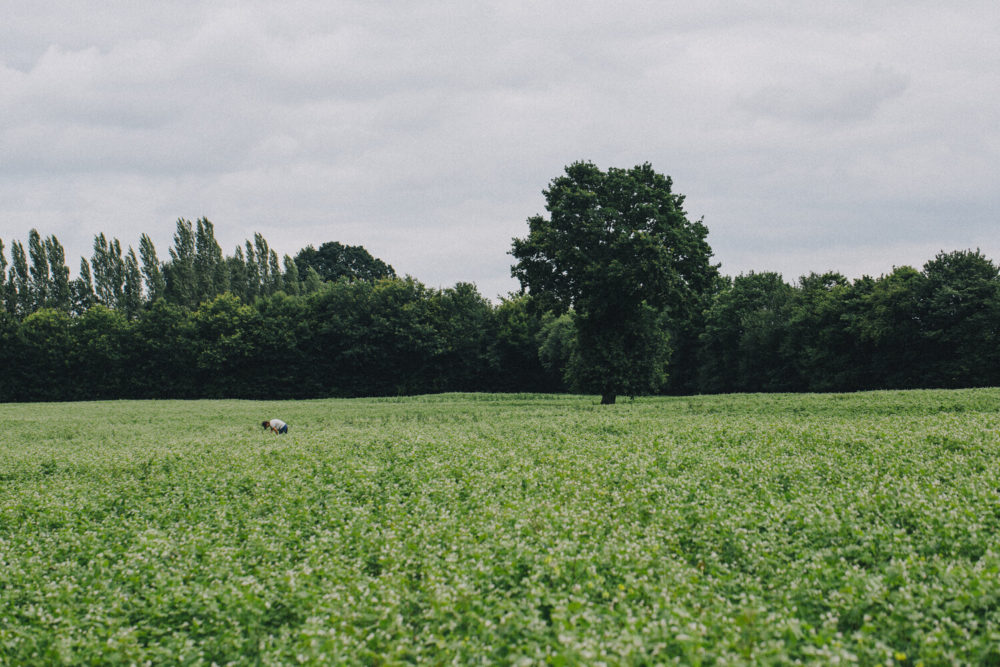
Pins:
x: 426, y: 131
x: 842, y: 97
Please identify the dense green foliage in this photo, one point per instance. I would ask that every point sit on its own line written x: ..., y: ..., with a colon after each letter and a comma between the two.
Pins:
x: 939, y: 327
x: 618, y: 250
x: 346, y: 339
x: 205, y: 325
x: 504, y: 529
x: 196, y: 272
x: 333, y: 261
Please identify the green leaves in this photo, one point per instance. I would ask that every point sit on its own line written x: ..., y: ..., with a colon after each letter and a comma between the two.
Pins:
x: 503, y: 529
x: 619, y: 250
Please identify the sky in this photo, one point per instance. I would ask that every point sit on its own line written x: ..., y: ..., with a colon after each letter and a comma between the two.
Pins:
x: 848, y: 136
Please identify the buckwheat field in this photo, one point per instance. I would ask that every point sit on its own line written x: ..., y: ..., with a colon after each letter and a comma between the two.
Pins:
x: 508, y: 529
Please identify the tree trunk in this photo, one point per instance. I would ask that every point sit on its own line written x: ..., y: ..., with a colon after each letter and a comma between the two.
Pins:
x: 608, y: 398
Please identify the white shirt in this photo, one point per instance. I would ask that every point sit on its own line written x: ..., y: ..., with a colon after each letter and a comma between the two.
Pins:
x: 277, y: 423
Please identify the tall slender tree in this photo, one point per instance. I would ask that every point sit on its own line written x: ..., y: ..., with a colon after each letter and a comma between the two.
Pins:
x: 3, y: 277
x: 59, y: 290
x: 253, y: 273
x: 275, y: 279
x: 40, y: 279
x: 209, y: 266
x: 291, y: 281
x: 263, y: 255
x: 21, y: 300
x: 82, y: 290
x: 237, y: 268
x: 181, y: 279
x: 101, y: 264
x: 109, y: 271
x: 117, y: 271
x: 151, y: 272
x: 132, y: 286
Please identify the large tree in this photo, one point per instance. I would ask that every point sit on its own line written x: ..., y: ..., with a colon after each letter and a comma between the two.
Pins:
x: 619, y: 251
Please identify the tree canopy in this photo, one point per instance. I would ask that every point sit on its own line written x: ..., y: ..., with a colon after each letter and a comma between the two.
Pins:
x: 239, y: 326
x: 619, y: 251
x: 334, y: 260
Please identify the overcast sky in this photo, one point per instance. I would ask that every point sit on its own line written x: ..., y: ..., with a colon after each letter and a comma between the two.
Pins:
x: 849, y: 136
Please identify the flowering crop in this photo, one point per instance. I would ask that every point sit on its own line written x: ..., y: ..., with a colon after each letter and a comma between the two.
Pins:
x: 517, y: 529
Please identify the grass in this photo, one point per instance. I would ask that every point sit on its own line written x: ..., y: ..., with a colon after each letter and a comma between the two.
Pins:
x: 516, y: 529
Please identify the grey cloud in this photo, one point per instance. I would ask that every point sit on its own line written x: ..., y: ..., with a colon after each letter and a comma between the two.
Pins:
x: 426, y: 131
x: 840, y: 97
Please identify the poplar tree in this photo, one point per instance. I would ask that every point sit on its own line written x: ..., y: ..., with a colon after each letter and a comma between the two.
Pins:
x: 40, y: 280
x: 20, y: 282
x: 109, y: 271
x: 209, y: 267
x: 236, y: 265
x: 117, y: 271
x: 151, y: 272
x: 262, y: 253
x: 82, y: 290
x: 291, y: 277
x: 253, y: 273
x: 3, y: 277
x: 59, y: 290
x: 101, y: 266
x: 275, y: 283
x: 182, y: 287
x: 131, y: 302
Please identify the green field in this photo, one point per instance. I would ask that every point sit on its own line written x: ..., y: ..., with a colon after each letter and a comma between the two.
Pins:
x: 504, y: 529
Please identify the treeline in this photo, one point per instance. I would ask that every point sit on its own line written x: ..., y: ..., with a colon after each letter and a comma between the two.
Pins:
x: 332, y: 321
x: 387, y: 337
x: 195, y: 272
x: 335, y: 321
x: 937, y: 327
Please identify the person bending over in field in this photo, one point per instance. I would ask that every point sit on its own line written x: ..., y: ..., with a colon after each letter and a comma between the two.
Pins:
x: 276, y: 425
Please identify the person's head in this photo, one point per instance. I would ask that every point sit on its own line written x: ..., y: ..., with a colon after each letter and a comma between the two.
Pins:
x: 265, y: 424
